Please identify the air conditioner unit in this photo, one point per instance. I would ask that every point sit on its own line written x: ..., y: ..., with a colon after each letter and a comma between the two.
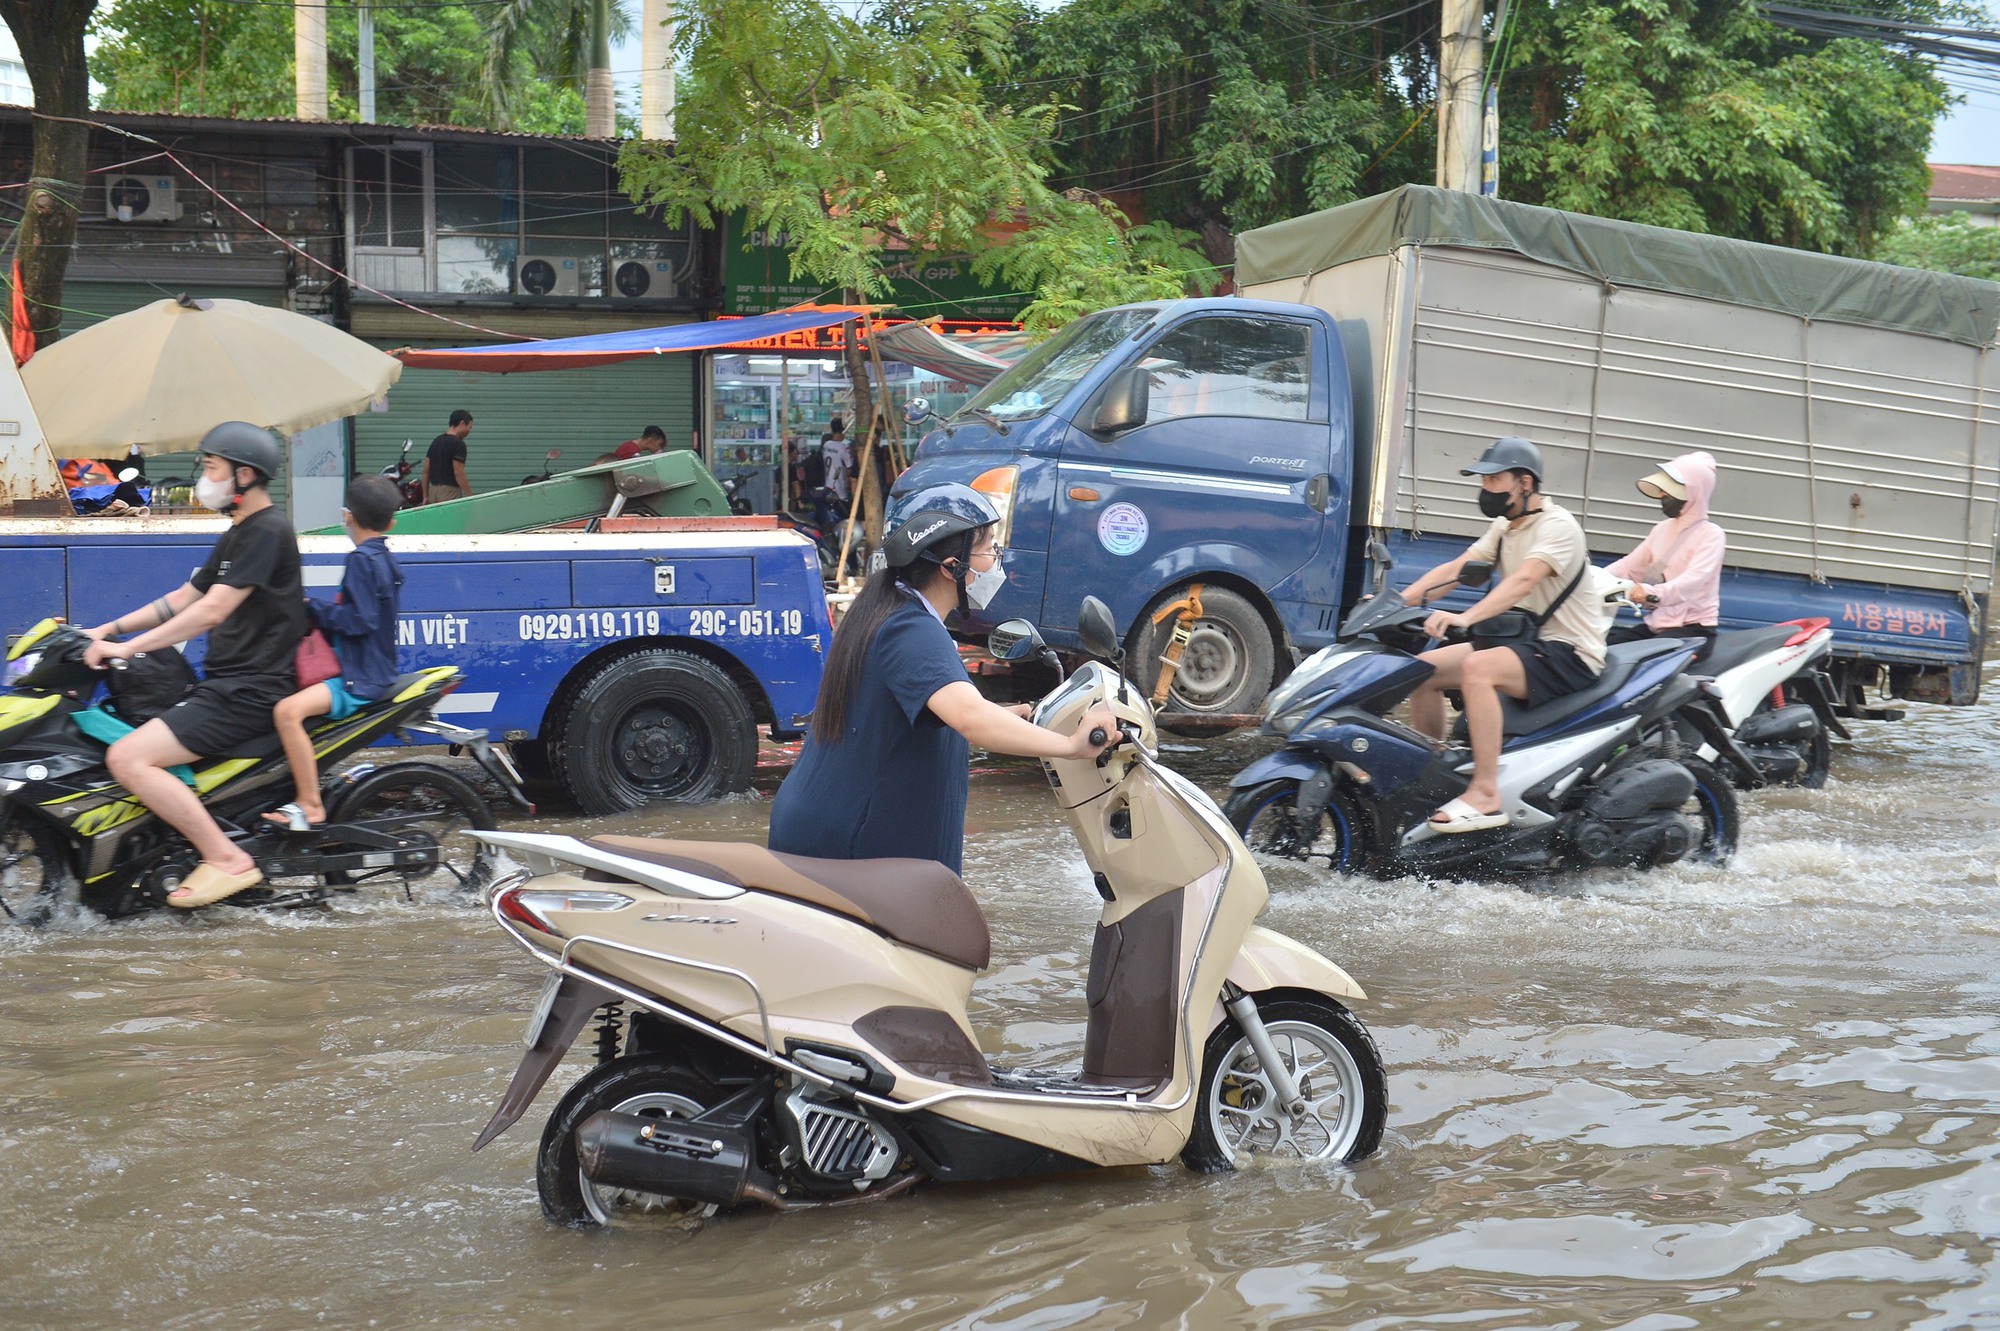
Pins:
x: 546, y: 275
x: 644, y: 277
x: 140, y: 199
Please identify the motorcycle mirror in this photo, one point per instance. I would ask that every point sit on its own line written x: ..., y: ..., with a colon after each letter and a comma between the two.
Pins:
x: 129, y: 474
x: 553, y: 454
x: 1014, y: 640
x: 1098, y: 630
x: 1476, y: 573
x: 917, y: 410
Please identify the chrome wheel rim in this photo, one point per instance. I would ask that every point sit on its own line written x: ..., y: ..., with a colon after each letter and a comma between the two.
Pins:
x: 1243, y: 1109
x: 600, y: 1202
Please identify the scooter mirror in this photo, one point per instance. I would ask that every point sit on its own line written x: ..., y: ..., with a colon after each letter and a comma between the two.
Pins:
x: 1098, y: 630
x: 1015, y: 640
x: 129, y: 474
x: 917, y: 410
x: 553, y: 454
x: 1476, y: 573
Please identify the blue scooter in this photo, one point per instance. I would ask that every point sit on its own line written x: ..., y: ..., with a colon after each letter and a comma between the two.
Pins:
x: 1598, y: 777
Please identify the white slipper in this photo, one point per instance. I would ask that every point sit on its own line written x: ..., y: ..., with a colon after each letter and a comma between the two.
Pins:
x: 1462, y: 817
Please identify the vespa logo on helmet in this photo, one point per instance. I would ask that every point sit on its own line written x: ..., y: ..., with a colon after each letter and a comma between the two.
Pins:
x: 917, y: 536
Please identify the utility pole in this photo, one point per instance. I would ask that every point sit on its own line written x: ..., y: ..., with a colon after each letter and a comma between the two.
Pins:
x: 656, y: 75
x: 1461, y: 66
x: 366, y: 63
x: 309, y: 57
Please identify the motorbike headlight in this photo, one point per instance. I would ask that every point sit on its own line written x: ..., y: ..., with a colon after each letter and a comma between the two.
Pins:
x: 19, y: 668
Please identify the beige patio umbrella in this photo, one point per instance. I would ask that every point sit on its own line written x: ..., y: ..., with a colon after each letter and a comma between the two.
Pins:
x: 163, y: 374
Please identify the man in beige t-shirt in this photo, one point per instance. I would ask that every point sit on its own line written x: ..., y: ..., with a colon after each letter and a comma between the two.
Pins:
x: 1542, y: 561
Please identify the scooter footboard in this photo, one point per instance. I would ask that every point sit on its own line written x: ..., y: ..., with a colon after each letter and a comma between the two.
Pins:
x: 1270, y: 960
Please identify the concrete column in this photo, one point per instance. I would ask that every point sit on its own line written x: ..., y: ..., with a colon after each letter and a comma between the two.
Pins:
x: 366, y: 64
x: 1461, y: 65
x: 656, y: 69
x: 309, y: 57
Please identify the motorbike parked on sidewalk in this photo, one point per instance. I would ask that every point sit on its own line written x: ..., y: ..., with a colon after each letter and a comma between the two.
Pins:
x: 410, y: 487
x: 1593, y: 778
x: 792, y: 1032
x: 70, y: 834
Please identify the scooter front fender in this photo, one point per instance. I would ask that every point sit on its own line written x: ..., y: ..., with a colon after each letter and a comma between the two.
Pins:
x: 574, y: 1003
x: 1285, y: 763
x: 1269, y: 960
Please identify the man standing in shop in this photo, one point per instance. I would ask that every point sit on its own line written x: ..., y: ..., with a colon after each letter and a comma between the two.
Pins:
x: 444, y: 464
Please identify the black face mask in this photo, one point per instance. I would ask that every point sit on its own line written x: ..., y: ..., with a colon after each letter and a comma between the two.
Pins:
x: 1671, y: 506
x: 1496, y: 503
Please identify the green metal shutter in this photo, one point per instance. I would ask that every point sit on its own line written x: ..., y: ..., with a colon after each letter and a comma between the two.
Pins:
x: 517, y: 418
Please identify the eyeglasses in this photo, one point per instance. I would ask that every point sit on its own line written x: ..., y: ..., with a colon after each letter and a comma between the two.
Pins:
x: 997, y: 553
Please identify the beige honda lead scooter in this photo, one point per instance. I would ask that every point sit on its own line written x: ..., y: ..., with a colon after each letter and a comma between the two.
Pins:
x: 792, y: 1031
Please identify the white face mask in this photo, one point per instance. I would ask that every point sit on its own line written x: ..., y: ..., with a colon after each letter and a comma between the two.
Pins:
x: 217, y: 495
x: 982, y: 587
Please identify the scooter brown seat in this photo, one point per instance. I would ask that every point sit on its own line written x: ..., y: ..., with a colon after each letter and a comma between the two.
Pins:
x: 916, y: 902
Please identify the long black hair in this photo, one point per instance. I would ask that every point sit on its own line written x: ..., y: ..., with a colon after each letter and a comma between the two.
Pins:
x: 879, y: 598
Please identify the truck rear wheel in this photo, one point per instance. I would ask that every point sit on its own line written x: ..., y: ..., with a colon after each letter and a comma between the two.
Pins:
x: 652, y: 727
x: 1226, y: 667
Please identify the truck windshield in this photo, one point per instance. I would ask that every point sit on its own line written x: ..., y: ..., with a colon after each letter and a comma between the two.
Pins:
x: 1044, y: 376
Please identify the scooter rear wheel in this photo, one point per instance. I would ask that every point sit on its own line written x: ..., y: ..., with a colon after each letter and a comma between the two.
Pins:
x: 1339, y: 1073
x: 643, y: 1085
x: 428, y: 800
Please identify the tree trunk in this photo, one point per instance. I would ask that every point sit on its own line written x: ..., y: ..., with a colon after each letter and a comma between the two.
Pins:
x: 600, y: 99
x: 862, y: 428
x: 50, y: 35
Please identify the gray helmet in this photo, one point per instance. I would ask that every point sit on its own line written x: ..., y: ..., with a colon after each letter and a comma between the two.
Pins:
x: 921, y: 522
x: 244, y: 444
x: 1510, y: 454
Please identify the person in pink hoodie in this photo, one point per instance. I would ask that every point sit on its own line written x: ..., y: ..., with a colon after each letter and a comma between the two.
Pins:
x: 1677, y: 569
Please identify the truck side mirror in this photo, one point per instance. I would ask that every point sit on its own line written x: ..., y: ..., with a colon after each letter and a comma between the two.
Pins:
x: 1015, y: 640
x: 1122, y: 405
x: 1476, y: 573
x: 1098, y: 630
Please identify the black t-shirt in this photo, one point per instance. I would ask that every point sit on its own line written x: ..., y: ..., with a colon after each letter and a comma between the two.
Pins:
x: 445, y: 450
x: 262, y: 637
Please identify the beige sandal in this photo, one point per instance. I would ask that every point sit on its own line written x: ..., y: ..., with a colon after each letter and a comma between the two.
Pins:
x: 208, y: 885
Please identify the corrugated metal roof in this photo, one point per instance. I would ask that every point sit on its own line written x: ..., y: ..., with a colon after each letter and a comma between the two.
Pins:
x: 1981, y: 183
x: 147, y: 121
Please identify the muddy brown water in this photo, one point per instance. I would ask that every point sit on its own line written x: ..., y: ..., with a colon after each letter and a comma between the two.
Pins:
x: 1760, y: 1097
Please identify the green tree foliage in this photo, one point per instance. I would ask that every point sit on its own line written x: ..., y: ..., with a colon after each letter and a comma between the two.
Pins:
x: 1951, y: 243
x: 1702, y: 116
x: 1227, y: 116
x: 566, y: 39
x: 868, y: 137
x: 223, y: 59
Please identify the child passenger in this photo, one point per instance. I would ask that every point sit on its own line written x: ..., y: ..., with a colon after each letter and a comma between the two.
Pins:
x: 361, y: 623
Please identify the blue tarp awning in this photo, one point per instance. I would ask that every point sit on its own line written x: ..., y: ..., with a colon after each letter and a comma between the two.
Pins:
x: 569, y: 353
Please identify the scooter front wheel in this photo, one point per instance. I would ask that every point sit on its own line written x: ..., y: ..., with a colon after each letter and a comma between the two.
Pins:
x: 1266, y: 817
x: 1336, y: 1066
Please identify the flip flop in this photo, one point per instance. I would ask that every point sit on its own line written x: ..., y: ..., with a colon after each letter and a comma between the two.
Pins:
x: 292, y: 818
x: 1458, y: 816
x: 208, y: 885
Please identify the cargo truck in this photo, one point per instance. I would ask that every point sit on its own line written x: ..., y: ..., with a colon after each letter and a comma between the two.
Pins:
x: 1297, y: 446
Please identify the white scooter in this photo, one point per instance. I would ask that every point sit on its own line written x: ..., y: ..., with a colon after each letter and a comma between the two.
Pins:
x: 797, y: 1030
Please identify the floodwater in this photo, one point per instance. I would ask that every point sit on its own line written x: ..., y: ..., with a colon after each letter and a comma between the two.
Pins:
x: 1760, y: 1097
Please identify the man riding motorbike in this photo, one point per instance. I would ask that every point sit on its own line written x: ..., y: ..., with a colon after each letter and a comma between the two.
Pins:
x: 1555, y: 647
x: 249, y: 599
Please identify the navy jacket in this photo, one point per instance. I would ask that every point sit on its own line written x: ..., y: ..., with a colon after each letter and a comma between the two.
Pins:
x: 362, y: 619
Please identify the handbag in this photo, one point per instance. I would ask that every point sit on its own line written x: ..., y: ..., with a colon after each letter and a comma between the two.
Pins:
x: 315, y: 661
x: 1517, y: 626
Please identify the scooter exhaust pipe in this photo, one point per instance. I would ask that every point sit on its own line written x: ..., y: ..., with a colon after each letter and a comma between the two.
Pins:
x: 697, y: 1162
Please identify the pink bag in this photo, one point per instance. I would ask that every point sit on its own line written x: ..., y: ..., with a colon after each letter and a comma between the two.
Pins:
x: 315, y: 661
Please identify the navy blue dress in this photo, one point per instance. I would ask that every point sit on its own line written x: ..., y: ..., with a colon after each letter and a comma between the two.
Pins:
x: 894, y: 785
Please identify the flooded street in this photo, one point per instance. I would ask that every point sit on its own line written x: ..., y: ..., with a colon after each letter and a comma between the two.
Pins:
x: 1764, y: 1096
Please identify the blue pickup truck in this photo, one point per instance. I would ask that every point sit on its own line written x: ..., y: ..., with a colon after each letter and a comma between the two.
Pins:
x: 1298, y: 446
x: 633, y: 664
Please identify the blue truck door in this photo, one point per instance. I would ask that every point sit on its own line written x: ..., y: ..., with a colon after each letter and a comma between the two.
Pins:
x: 1230, y: 470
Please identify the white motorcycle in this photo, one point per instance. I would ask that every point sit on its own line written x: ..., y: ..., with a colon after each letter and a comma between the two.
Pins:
x: 792, y: 1032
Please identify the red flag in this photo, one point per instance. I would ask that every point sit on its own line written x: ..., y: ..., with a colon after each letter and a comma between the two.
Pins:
x: 23, y: 335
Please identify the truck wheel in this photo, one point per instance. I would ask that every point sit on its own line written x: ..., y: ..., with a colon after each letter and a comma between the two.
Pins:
x: 652, y: 727
x: 1225, y: 668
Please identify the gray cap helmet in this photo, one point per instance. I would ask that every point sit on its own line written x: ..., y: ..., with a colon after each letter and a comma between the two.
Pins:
x: 244, y: 444
x: 1509, y: 454
x: 921, y: 522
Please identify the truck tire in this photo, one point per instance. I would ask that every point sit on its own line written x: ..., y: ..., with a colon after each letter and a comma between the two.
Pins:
x: 1226, y: 667
x: 653, y: 727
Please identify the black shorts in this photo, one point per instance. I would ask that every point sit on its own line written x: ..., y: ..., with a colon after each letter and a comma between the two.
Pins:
x: 1553, y: 669
x: 221, y: 714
